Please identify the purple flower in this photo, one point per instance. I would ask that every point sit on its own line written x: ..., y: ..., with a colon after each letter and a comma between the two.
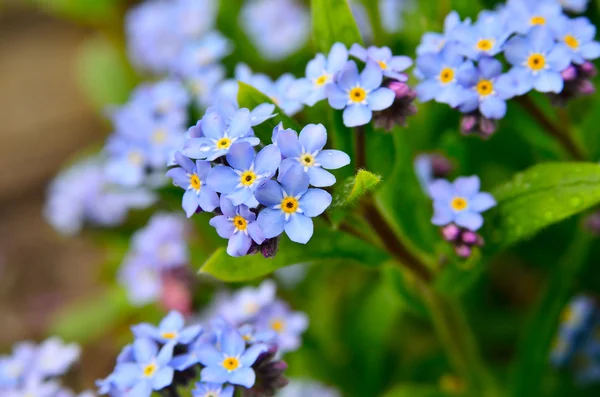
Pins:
x: 459, y: 202
x: 192, y: 177
x: 170, y: 330
x: 248, y: 170
x: 320, y: 72
x: 439, y: 72
x: 538, y: 60
x: 212, y: 390
x: 487, y: 89
x: 307, y: 153
x: 149, y: 371
x: 287, y: 325
x: 390, y: 65
x: 359, y: 95
x: 290, y: 206
x: 220, y: 136
x: 238, y: 224
x: 577, y: 36
x: 232, y: 362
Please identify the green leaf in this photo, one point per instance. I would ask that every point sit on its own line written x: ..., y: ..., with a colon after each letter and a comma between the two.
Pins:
x: 355, y: 188
x: 88, y: 320
x: 324, y: 244
x: 104, y: 73
x: 543, y: 195
x: 333, y: 22
x: 404, y: 285
x: 249, y: 97
x: 535, y: 345
x: 84, y: 11
x: 414, y: 390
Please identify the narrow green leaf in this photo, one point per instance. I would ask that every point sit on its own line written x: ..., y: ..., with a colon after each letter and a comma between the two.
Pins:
x: 535, y: 345
x: 543, y: 195
x: 88, y: 320
x: 249, y: 97
x: 324, y: 244
x: 333, y: 22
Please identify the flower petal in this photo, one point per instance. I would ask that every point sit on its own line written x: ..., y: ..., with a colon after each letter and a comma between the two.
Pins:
x: 162, y: 378
x: 313, y: 137
x: 208, y: 199
x: 371, y: 77
x: 299, y: 228
x: 470, y: 220
x: 241, y: 156
x: 239, y: 244
x: 271, y: 222
x: 318, y: 177
x: 243, y: 377
x: 269, y: 194
x: 223, y: 226
x: 249, y: 357
x: 295, y: 181
x: 482, y: 202
x: 357, y: 114
x: 267, y: 161
x: 314, y: 202
x: 209, y: 356
x: 338, y: 98
x: 222, y: 179
x: 214, y: 375
x: 380, y: 99
x: 232, y: 343
x: 467, y: 186
x: 287, y: 140
x: 189, y: 202
x: 332, y: 159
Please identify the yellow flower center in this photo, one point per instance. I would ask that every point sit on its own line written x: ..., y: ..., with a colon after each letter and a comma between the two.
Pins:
x: 223, y: 143
x: 240, y: 223
x: 135, y: 158
x: 322, y: 80
x: 567, y: 315
x: 447, y: 75
x: 251, y: 307
x: 382, y: 65
x: 458, y: 204
x: 289, y: 205
x: 159, y: 136
x: 307, y: 160
x: 357, y: 94
x: 149, y: 370
x: 231, y: 363
x: 485, y: 87
x: 195, y: 182
x: 246, y: 337
x: 538, y: 20
x: 485, y: 44
x: 536, y: 62
x: 278, y: 325
x: 169, y: 335
x: 571, y: 41
x: 248, y: 178
x: 274, y: 100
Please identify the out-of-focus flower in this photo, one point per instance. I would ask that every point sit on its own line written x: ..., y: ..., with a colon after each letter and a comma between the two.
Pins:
x: 430, y: 167
x: 359, y: 94
x: 485, y: 38
x: 576, y: 6
x: 306, y: 152
x: 287, y: 325
x: 247, y: 303
x: 392, y: 66
x: 192, y: 177
x: 212, y: 390
x: 526, y: 15
x: 290, y: 206
x: 238, y: 225
x: 577, y: 36
x: 460, y: 202
x: 391, y: 12
x: 248, y: 170
x: 537, y: 60
x: 199, y: 54
x: 203, y: 84
x: 170, y: 330
x: 436, y: 42
x: 302, y: 388
x: 277, y: 28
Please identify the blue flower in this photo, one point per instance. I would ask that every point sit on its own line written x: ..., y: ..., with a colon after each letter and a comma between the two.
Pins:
x: 228, y: 109
x: 537, y: 60
x: 290, y: 206
x: 198, y: 54
x: 307, y: 153
x: 390, y: 65
x: 251, y: 335
x: 359, y: 95
x: 525, y: 15
x: 485, y: 38
x: 141, y: 279
x: 486, y: 88
x: 286, y: 324
x: 166, y: 100
x: 13, y: 368
x: 279, y: 91
x: 320, y: 72
x: 277, y: 28
x: 204, y: 83
x: 439, y: 73
x: 54, y: 358
x: 577, y: 36
x: 576, y: 6
x: 192, y: 177
x: 246, y: 303
x: 232, y: 362
x: 576, y: 322
x: 238, y: 225
x: 34, y: 386
x: 220, y: 136
x: 212, y: 390
x: 433, y: 43
x: 391, y: 13
x: 164, y: 240
x: 149, y: 371
x: 459, y: 202
x: 171, y: 329
x: 248, y: 170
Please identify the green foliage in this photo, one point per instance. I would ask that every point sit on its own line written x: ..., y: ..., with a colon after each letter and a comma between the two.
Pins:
x: 543, y: 195
x: 348, y: 194
x: 324, y: 245
x: 333, y: 22
x: 94, y: 12
x: 414, y: 390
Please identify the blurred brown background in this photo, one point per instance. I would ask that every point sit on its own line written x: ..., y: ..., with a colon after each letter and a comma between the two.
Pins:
x: 45, y: 120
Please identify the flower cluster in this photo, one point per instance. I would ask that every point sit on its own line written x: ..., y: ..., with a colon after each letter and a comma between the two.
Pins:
x: 157, y: 261
x: 576, y: 344
x: 548, y: 52
x: 34, y: 370
x: 236, y: 349
x: 256, y: 195
x: 83, y: 194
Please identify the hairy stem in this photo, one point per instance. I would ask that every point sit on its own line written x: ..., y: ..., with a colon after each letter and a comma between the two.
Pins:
x: 361, y: 150
x: 561, y: 135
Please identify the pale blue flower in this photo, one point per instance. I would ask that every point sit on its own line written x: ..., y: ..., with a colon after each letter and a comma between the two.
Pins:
x: 171, y: 329
x: 524, y: 15
x: 484, y: 38
x: 287, y: 325
x: 204, y: 83
x: 212, y: 390
x: 198, y: 54
x: 391, y: 66
x: 435, y: 42
x: 577, y: 37
x: 392, y: 14
x: 245, y: 304
x: 576, y: 6
x: 359, y: 95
